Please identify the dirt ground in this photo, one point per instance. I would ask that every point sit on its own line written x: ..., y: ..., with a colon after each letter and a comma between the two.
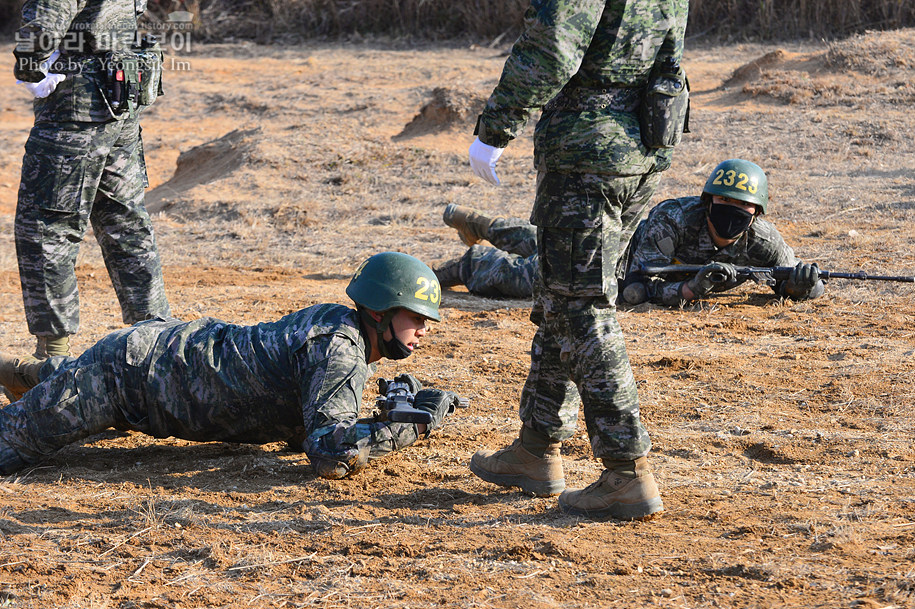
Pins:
x: 783, y: 432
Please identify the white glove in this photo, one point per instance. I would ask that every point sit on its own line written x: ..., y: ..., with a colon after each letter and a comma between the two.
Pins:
x: 46, y: 86
x: 483, y: 159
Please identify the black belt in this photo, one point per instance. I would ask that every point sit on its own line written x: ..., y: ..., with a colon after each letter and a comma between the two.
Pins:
x: 618, y: 99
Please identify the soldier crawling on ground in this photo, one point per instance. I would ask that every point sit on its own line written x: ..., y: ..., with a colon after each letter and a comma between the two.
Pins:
x: 720, y: 229
x: 506, y: 268
x: 299, y: 379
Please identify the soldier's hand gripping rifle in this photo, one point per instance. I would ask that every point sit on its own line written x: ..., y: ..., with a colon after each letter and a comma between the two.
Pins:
x: 764, y: 275
x: 398, y: 397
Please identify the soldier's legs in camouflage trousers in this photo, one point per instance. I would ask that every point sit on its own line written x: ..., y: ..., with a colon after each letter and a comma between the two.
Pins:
x: 513, y: 235
x: 73, y: 173
x: 124, y: 230
x: 578, y: 356
x: 579, y: 338
x: 488, y: 271
x: 635, y: 210
x: 51, y: 415
x: 72, y: 402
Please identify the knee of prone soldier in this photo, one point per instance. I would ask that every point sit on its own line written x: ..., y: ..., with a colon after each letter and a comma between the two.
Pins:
x: 635, y: 293
x: 10, y: 462
x: 332, y: 469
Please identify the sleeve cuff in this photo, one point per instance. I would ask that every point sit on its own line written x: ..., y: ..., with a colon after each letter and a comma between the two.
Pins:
x: 496, y: 140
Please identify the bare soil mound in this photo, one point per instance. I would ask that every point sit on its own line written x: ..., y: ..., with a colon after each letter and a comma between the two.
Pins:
x: 203, y: 164
x: 860, y: 70
x: 448, y: 108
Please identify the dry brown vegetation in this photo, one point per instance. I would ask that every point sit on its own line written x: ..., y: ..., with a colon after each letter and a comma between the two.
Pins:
x: 495, y: 21
x: 873, y: 65
x: 783, y: 431
x: 489, y: 19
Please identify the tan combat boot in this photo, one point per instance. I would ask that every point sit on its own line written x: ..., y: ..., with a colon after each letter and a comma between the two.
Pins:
x: 471, y: 225
x: 531, y: 463
x: 626, y: 490
x: 51, y: 346
x: 18, y: 375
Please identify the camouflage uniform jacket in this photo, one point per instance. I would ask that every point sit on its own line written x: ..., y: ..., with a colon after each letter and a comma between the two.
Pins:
x: 82, y: 30
x: 676, y: 232
x: 585, y: 52
x: 301, y: 376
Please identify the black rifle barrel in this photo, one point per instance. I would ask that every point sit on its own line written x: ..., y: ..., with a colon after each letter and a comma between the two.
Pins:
x: 775, y: 271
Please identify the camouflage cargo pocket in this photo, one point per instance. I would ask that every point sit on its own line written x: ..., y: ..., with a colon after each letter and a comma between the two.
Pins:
x: 56, y: 181
x: 577, y: 262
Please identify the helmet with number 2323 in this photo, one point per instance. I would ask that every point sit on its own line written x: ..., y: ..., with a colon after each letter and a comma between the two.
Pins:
x: 741, y: 180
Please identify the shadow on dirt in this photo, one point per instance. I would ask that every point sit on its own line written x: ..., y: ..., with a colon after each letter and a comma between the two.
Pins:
x: 465, y: 301
x: 212, y: 466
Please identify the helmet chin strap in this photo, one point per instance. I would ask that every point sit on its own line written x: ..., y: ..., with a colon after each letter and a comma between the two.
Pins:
x: 391, y: 349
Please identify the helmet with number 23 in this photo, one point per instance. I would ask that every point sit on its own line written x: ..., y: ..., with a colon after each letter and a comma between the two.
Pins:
x: 394, y: 280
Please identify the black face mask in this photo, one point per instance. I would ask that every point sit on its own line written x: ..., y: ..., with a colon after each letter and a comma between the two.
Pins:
x: 392, y: 348
x: 729, y: 221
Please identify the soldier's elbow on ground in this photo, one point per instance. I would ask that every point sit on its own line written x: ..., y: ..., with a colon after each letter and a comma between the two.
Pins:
x: 635, y: 294
x: 333, y: 469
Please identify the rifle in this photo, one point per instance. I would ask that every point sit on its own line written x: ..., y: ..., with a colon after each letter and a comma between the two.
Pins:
x: 764, y: 275
x: 396, y: 403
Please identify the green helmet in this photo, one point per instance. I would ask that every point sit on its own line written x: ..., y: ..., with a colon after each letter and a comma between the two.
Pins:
x: 392, y: 280
x: 741, y: 180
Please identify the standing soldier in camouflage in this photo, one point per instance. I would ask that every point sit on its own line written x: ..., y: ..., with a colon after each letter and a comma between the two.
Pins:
x: 84, y: 163
x: 595, y: 63
x: 299, y: 379
x: 719, y: 229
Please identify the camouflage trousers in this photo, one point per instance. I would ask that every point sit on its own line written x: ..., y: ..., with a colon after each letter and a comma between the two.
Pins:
x: 122, y: 381
x: 77, y: 398
x: 578, y: 355
x: 74, y: 174
x: 509, y: 268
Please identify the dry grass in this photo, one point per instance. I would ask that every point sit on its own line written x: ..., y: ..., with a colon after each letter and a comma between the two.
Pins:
x: 864, y: 69
x: 493, y: 20
x: 885, y: 54
x: 498, y: 21
x: 790, y: 19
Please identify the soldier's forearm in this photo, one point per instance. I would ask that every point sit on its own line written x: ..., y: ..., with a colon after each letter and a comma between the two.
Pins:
x: 543, y: 59
x: 44, y: 25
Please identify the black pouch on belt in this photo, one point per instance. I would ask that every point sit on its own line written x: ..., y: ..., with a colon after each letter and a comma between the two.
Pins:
x: 664, y: 112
